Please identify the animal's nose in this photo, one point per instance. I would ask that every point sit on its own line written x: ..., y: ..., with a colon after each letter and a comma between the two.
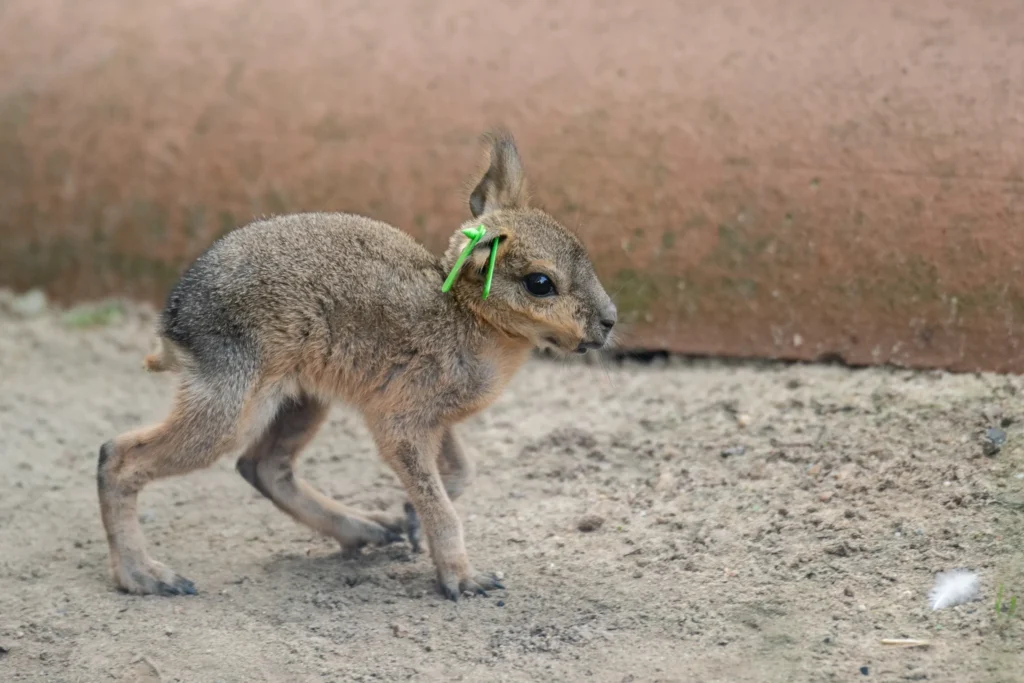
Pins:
x: 609, y: 318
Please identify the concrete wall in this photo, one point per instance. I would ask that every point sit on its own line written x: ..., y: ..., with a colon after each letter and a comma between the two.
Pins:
x: 785, y: 178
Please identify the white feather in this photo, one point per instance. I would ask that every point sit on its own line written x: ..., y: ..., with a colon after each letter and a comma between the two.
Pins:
x: 954, y: 588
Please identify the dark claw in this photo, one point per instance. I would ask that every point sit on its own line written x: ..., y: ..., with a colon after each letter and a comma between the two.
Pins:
x: 167, y: 589
x: 450, y: 594
x: 180, y: 585
x: 392, y: 537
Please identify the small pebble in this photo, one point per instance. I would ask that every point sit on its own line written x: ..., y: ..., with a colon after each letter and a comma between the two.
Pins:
x: 590, y: 523
x: 30, y: 304
x: 500, y: 603
x: 666, y: 482
x: 398, y: 630
x: 863, y: 671
x: 733, y: 450
x: 994, y: 440
x: 848, y: 592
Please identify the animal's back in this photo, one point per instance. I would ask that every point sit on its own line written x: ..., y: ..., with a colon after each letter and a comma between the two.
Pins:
x: 318, y: 278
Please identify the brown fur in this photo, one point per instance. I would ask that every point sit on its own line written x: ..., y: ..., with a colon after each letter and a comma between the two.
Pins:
x: 280, y: 318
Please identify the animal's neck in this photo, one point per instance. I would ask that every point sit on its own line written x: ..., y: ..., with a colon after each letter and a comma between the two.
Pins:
x: 494, y: 343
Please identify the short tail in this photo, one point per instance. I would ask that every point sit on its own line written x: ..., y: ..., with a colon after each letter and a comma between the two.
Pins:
x: 161, y: 359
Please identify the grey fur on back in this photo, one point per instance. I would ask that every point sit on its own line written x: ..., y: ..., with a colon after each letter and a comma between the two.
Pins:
x: 332, y: 289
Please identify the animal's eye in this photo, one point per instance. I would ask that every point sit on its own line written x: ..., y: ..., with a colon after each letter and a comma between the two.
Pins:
x: 539, y: 284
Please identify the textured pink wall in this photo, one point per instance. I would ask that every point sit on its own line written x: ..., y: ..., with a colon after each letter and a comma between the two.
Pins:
x: 783, y: 178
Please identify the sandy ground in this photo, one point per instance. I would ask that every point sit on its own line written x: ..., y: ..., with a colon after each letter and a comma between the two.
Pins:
x: 761, y: 522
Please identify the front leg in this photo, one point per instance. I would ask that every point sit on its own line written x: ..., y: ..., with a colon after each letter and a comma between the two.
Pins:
x: 415, y: 460
x: 456, y: 474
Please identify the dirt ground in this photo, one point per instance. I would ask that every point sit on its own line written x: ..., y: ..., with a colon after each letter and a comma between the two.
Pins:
x: 761, y: 522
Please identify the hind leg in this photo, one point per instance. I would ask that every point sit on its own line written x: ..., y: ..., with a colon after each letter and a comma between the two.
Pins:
x: 201, y: 427
x: 456, y: 471
x: 268, y: 466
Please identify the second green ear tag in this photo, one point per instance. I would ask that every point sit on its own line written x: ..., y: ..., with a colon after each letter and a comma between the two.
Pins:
x: 490, y: 267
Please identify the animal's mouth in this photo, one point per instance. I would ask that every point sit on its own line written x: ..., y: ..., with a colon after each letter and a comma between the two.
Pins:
x: 587, y: 346
x: 581, y: 347
x: 561, y: 347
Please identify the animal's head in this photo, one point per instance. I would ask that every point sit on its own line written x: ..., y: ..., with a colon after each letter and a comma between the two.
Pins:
x: 544, y: 288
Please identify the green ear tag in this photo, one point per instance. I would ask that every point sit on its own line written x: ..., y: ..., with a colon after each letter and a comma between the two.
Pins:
x: 490, y: 267
x: 475, y: 235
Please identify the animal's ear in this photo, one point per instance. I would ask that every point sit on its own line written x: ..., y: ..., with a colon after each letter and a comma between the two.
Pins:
x: 477, y: 259
x: 503, y: 185
x: 482, y: 251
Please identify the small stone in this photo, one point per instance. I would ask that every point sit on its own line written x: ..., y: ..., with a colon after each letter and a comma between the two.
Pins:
x: 500, y: 603
x: 826, y: 496
x: 993, y: 442
x: 398, y: 630
x: 840, y: 549
x: 146, y: 517
x: 814, y: 470
x: 864, y: 671
x: 638, y: 575
x: 168, y: 631
x: 848, y: 592
x: 719, y: 536
x: 733, y: 450
x: 666, y: 482
x: 500, y: 576
x: 30, y: 304
x: 590, y: 523
x: 743, y: 420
